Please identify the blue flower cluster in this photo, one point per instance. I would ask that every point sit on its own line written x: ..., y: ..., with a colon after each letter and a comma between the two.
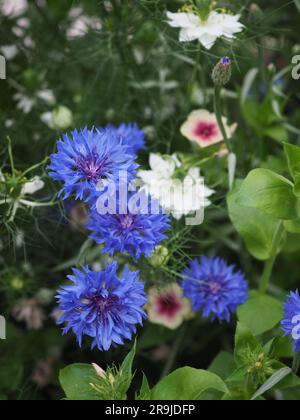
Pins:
x: 291, y: 319
x: 214, y: 287
x: 102, y: 305
x: 87, y: 161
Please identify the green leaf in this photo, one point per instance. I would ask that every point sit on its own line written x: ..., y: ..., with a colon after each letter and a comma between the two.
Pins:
x: 76, y: 382
x: 272, y: 382
x: 293, y: 157
x: 270, y: 193
x: 292, y: 226
x: 277, y: 132
x: 126, y: 371
x: 223, y: 365
x: 145, y: 391
x: 187, y: 384
x: 255, y: 227
x: 260, y: 313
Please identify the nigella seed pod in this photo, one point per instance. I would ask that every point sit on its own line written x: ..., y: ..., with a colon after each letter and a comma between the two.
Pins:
x: 221, y: 74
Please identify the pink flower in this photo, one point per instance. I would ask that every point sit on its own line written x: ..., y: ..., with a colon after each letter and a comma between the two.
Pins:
x: 202, y: 127
x: 30, y: 312
x: 168, y: 307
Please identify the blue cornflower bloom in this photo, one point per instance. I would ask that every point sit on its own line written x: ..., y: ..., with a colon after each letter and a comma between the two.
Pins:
x: 131, y: 226
x: 87, y: 157
x: 291, y: 319
x: 102, y: 306
x: 214, y: 287
x: 131, y: 136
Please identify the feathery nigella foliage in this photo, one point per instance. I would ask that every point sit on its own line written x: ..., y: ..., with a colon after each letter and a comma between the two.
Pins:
x: 102, y: 306
x: 134, y: 229
x: 130, y: 135
x: 291, y: 318
x: 214, y: 287
x: 87, y: 157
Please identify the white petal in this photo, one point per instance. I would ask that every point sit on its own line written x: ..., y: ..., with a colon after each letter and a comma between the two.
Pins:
x: 33, y: 186
x: 183, y: 20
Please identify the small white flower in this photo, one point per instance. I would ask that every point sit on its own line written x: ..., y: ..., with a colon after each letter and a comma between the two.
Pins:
x: 26, y: 103
x: 13, y: 8
x: 205, y: 31
x: 32, y: 186
x: 9, y: 51
x: 177, y: 193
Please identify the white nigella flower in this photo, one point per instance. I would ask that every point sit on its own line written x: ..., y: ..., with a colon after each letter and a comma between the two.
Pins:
x: 178, y: 191
x: 32, y: 186
x: 26, y: 103
x: 207, y: 30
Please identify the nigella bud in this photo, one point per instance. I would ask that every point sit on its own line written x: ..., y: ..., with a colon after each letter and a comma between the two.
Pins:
x: 256, y: 15
x: 222, y: 72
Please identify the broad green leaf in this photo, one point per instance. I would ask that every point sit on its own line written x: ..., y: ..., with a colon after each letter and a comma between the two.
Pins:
x: 272, y: 382
x: 292, y: 226
x: 260, y: 313
x: 270, y: 193
x: 223, y: 365
x: 292, y: 153
x: 255, y: 227
x: 187, y: 384
x: 290, y: 381
x: 277, y: 132
x: 76, y: 382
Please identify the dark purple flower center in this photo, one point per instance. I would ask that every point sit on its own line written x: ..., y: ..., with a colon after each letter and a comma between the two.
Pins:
x: 91, y: 166
x: 126, y: 221
x: 206, y: 131
x: 103, y: 304
x: 214, y: 286
x: 168, y: 305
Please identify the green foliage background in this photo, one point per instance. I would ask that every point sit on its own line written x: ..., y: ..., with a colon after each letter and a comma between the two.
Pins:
x: 134, y: 69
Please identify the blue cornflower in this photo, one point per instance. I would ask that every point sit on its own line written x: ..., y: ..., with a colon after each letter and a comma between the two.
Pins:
x: 102, y: 306
x: 214, y: 287
x: 131, y: 136
x: 87, y: 157
x: 291, y: 319
x: 132, y: 227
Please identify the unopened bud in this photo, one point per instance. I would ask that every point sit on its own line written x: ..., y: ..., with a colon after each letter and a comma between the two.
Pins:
x: 100, y: 372
x: 256, y: 14
x: 222, y: 72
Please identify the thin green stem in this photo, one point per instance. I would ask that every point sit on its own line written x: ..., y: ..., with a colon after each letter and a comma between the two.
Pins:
x: 11, y: 158
x: 270, y: 263
x: 170, y: 363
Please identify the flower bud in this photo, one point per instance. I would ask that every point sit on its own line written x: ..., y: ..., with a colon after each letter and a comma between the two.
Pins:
x: 222, y: 72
